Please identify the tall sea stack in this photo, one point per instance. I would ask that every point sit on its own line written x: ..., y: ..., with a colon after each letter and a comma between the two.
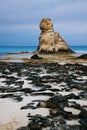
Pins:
x: 50, y: 41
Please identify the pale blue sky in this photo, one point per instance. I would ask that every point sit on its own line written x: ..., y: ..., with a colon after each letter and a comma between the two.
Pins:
x: 19, y: 20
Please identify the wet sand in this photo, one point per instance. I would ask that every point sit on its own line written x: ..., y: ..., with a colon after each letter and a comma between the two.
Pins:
x: 47, y: 58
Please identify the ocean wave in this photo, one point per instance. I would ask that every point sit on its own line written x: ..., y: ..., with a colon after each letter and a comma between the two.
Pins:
x: 82, y: 52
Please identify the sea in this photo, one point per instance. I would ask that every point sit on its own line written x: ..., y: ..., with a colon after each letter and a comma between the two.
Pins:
x: 16, y: 49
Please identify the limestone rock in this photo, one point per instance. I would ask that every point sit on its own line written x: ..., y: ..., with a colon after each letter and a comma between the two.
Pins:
x: 46, y: 24
x: 50, y: 41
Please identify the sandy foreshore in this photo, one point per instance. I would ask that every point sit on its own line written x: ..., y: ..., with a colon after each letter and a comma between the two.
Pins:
x: 43, y: 94
x: 46, y: 58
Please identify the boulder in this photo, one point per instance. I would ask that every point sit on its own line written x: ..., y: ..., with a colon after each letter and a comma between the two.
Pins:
x: 84, y: 56
x: 35, y: 56
x: 50, y: 41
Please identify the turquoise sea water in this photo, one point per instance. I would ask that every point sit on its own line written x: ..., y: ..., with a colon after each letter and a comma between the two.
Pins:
x: 81, y: 49
x: 14, y: 49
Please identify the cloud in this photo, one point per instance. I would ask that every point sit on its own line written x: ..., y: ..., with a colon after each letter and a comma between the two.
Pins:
x: 27, y: 12
x: 71, y: 27
x: 68, y: 16
x: 19, y: 27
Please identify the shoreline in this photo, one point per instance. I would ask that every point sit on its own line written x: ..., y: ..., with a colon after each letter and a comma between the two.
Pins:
x: 23, y: 57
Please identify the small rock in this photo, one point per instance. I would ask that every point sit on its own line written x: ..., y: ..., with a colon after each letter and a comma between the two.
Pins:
x: 36, y: 57
x: 84, y: 56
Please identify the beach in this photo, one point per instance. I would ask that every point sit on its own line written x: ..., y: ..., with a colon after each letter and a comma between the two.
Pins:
x: 43, y: 65
x: 43, y: 94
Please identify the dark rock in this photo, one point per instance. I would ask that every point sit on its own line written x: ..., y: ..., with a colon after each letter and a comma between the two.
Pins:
x: 62, y: 122
x: 30, y: 105
x: 83, y: 118
x: 83, y: 122
x: 36, y: 80
x: 38, y: 122
x: 55, y: 90
x: 51, y: 79
x: 6, y: 95
x: 10, y: 80
x: 42, y: 93
x: 18, y: 98
x: 26, y: 90
x: 84, y: 56
x: 3, y: 89
x: 82, y: 95
x: 64, y: 114
x: 19, y: 83
x: 59, y: 101
x: 83, y: 114
x: 84, y: 107
x: 72, y: 96
x: 39, y: 84
x: 23, y: 128
x: 36, y: 57
x: 74, y: 105
x: 17, y: 89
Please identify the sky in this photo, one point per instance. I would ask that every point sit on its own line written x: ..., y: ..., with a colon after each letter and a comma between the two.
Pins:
x: 19, y: 20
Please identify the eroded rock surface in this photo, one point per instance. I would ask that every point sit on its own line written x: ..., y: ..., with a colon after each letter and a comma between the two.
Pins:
x: 50, y: 41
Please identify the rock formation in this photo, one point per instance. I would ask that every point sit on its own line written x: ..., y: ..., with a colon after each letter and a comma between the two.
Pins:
x: 50, y: 41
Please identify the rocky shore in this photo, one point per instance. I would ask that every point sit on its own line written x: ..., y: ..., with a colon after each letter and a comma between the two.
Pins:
x: 43, y: 96
x: 45, y: 89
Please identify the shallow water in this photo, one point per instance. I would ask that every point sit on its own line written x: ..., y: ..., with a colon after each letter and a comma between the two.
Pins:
x: 15, y: 57
x: 59, y: 58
